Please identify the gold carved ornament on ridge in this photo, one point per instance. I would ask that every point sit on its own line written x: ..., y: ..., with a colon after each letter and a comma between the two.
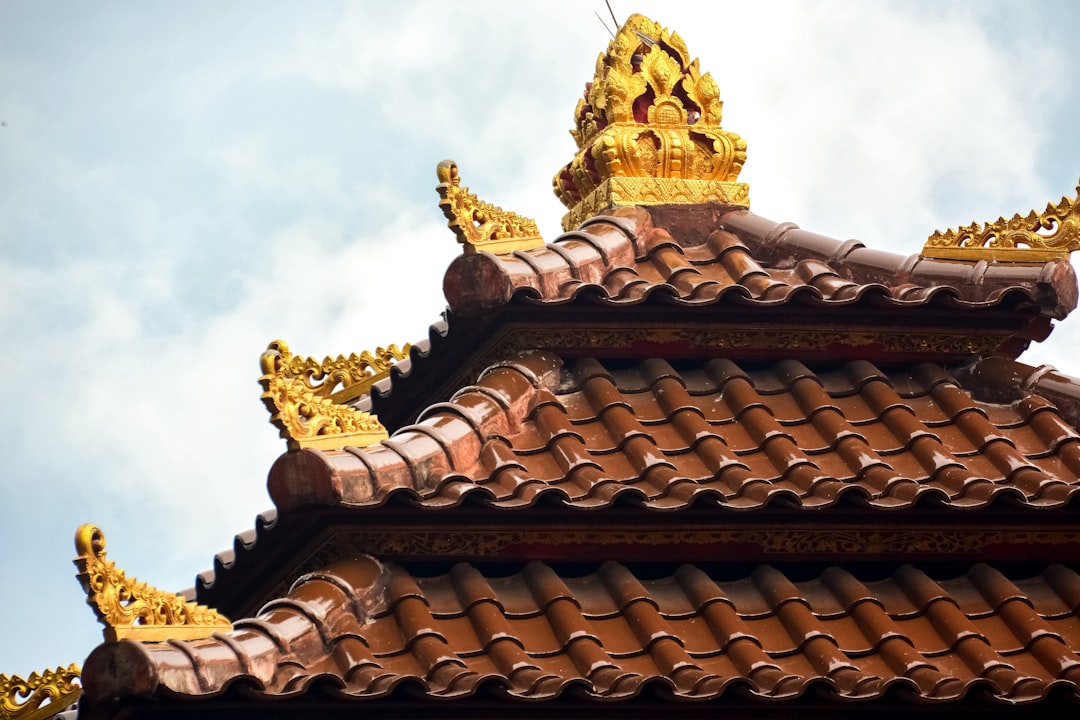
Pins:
x: 481, y: 226
x: 40, y: 696
x: 132, y: 609
x: 308, y: 399
x: 1035, y: 237
x: 648, y: 130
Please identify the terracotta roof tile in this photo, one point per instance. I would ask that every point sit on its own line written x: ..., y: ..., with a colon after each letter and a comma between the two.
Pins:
x: 588, y: 434
x: 629, y: 256
x: 370, y: 627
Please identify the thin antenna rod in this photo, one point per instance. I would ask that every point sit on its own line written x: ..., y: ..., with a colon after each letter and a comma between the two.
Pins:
x: 612, y: 13
x: 604, y: 24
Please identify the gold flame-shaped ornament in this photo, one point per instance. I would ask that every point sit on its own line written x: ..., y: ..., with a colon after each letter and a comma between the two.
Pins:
x: 648, y: 131
x: 40, y: 696
x: 478, y: 225
x: 1035, y: 237
x: 309, y: 401
x: 129, y: 608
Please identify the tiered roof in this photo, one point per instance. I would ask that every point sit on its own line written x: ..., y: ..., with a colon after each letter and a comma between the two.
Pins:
x: 681, y: 453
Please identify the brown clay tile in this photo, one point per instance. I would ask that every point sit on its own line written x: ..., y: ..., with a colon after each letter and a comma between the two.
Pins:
x: 584, y: 259
x: 1066, y: 585
x: 609, y: 240
x: 667, y: 257
x: 385, y: 465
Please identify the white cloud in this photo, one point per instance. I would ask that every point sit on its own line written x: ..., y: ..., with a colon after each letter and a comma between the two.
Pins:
x: 135, y: 400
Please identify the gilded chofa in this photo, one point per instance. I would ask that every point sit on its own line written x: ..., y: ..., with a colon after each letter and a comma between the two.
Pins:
x: 648, y: 130
x: 39, y: 696
x: 129, y: 608
x: 1035, y: 237
x: 481, y: 226
x: 309, y: 400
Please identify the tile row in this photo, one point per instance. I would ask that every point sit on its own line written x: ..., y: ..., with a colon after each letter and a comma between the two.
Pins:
x: 369, y: 627
x: 589, y: 435
x: 627, y: 256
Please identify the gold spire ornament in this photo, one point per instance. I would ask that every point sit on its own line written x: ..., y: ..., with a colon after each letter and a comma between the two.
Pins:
x: 1035, y: 237
x: 40, y: 696
x: 307, y: 399
x: 481, y: 226
x: 648, y: 131
x: 132, y: 609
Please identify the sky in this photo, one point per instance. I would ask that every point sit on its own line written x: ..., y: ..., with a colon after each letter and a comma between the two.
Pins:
x: 181, y: 183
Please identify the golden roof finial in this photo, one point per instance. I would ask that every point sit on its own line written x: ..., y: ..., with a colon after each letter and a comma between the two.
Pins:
x: 307, y: 398
x: 481, y: 226
x: 1030, y: 238
x: 40, y: 696
x: 132, y: 609
x: 648, y: 130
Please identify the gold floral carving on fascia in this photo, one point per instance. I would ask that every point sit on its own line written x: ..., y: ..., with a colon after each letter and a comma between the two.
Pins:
x: 132, y: 609
x: 648, y: 130
x: 481, y: 543
x: 779, y: 338
x: 961, y: 341
x: 39, y: 696
x: 1035, y: 237
x: 486, y: 543
x: 624, y: 191
x: 478, y: 225
x: 871, y: 541
x: 309, y: 400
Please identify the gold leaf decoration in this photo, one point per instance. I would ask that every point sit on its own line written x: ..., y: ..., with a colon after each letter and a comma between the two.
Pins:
x: 481, y: 226
x: 40, y: 696
x: 307, y: 399
x: 651, y: 118
x: 129, y: 608
x: 1035, y: 237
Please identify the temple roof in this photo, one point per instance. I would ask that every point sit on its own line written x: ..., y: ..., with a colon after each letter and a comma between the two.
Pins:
x: 631, y: 442
x: 359, y: 630
x: 589, y: 459
x: 767, y: 290
x: 706, y: 255
x: 589, y: 435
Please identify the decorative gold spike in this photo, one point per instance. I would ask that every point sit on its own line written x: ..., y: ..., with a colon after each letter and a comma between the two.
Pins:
x: 307, y: 398
x: 648, y: 131
x: 40, y: 696
x: 1031, y: 238
x: 132, y: 609
x: 481, y: 226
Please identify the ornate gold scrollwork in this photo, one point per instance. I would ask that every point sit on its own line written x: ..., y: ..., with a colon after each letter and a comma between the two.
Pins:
x: 307, y: 399
x: 648, y: 130
x: 1035, y: 237
x: 40, y: 696
x: 132, y: 609
x: 481, y: 226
